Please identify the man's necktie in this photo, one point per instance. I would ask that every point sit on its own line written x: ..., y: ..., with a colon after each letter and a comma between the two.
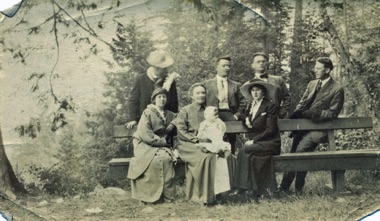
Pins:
x: 319, y: 85
x: 222, y: 84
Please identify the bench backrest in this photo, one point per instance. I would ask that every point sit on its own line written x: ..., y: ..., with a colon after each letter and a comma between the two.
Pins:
x: 286, y: 125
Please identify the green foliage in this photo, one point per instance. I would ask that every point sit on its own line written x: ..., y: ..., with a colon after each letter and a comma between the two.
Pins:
x: 358, y: 139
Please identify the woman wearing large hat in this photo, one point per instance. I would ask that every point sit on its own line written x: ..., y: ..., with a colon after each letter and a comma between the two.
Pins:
x: 156, y: 76
x: 151, y: 169
x: 254, y: 166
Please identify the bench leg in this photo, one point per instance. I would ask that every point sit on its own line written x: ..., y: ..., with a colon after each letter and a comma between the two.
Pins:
x: 338, y: 180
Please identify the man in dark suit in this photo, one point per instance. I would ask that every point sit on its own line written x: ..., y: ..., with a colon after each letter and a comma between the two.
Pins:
x: 155, y: 77
x: 281, y: 96
x: 322, y: 101
x: 224, y: 94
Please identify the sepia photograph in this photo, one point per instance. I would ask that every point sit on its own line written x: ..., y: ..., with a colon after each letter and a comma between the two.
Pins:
x: 189, y: 110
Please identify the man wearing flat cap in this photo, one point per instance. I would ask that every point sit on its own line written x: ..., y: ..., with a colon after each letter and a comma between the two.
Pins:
x: 155, y: 77
x: 282, y: 96
x: 225, y: 94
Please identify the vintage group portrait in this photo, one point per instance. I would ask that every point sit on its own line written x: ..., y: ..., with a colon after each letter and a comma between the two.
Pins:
x: 190, y: 110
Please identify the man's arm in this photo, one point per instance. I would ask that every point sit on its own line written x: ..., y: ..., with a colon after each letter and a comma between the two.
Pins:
x: 242, y: 102
x: 134, y: 103
x: 336, y: 105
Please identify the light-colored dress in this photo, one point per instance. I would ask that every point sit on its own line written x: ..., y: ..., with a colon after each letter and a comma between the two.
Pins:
x: 214, y: 130
x: 200, y: 166
x: 151, y: 169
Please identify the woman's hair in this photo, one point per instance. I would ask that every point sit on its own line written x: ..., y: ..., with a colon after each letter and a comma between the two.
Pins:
x: 258, y: 86
x: 191, y: 89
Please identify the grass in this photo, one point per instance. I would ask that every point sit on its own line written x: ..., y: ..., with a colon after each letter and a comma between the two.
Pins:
x: 318, y: 202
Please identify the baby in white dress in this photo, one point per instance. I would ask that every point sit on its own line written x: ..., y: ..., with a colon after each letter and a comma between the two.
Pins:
x: 213, y: 128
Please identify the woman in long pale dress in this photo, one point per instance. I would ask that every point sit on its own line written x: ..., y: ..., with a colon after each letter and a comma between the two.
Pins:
x: 151, y: 169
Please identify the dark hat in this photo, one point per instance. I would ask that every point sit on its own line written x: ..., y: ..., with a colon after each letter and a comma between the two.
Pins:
x: 246, y: 88
x: 159, y: 58
x: 157, y: 92
x: 260, y: 54
x: 226, y: 57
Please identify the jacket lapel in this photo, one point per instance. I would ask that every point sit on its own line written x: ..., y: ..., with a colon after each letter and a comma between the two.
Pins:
x: 260, y: 110
x: 214, y: 88
x: 324, y: 91
x: 230, y: 91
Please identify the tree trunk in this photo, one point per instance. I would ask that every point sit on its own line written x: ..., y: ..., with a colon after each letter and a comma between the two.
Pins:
x: 9, y: 183
x: 358, y: 89
x: 298, y: 78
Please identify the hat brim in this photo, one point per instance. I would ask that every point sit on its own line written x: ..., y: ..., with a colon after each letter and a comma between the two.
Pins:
x: 168, y: 61
x: 245, y: 89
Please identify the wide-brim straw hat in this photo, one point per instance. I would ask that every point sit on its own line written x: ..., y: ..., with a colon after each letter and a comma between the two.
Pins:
x: 246, y: 89
x: 160, y: 58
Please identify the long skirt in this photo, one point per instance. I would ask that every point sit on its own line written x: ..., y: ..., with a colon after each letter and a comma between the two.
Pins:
x: 156, y: 181
x: 222, y: 176
x: 254, y: 173
x: 200, y: 172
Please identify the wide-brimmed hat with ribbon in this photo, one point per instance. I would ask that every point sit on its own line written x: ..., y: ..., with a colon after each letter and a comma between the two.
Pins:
x: 246, y: 89
x: 160, y: 58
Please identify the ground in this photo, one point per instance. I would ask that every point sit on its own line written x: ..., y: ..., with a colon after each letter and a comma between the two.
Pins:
x: 318, y: 202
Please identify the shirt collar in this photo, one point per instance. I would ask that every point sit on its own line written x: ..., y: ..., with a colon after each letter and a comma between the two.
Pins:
x: 323, y: 82
x: 197, y: 106
x: 152, y: 76
x: 259, y: 102
x: 218, y: 78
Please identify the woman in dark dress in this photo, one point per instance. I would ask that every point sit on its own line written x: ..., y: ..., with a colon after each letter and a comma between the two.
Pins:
x: 254, y: 165
x: 200, y: 165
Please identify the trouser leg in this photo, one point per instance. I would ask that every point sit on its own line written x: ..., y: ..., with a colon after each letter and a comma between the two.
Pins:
x: 308, y: 144
x: 288, y: 177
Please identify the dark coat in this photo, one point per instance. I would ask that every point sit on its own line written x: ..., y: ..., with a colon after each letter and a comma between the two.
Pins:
x: 265, y: 132
x: 328, y: 101
x: 236, y: 101
x: 141, y: 92
x: 282, y: 97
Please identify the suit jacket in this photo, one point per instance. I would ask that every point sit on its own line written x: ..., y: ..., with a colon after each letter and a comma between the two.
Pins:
x: 264, y: 129
x: 236, y: 101
x: 329, y: 100
x: 281, y: 96
x: 141, y: 92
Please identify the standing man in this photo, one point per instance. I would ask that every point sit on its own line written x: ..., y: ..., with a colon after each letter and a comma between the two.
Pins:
x: 322, y: 101
x: 155, y: 77
x: 224, y: 94
x: 281, y: 96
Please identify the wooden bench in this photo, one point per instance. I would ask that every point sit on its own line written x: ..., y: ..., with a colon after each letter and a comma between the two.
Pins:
x: 335, y: 161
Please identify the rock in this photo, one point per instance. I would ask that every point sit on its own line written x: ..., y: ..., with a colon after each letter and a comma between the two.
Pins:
x: 98, y: 188
x: 94, y: 210
x: 77, y: 197
x: 148, y: 209
x: 340, y: 200
x: 114, y: 191
x: 60, y: 200
x: 108, y: 191
x: 43, y: 203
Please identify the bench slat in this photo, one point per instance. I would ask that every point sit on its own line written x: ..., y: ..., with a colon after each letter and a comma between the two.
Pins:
x: 283, y: 124
x: 305, y: 124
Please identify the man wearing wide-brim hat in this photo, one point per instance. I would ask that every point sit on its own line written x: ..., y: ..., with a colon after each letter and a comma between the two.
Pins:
x: 155, y: 77
x: 254, y: 170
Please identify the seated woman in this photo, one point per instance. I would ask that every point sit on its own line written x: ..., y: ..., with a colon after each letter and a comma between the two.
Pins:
x: 151, y: 169
x: 254, y: 166
x: 201, y: 165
